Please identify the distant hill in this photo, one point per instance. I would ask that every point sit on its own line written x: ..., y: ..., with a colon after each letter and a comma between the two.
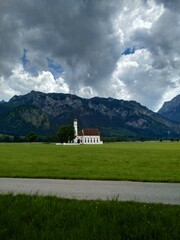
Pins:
x: 171, y: 109
x: 44, y: 113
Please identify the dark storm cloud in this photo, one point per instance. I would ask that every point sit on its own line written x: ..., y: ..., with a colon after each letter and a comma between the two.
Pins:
x: 171, y: 4
x: 73, y: 32
x: 84, y: 42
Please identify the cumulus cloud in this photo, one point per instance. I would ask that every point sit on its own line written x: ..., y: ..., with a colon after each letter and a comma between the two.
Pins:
x: 45, y: 82
x: 150, y: 74
x: 123, y: 49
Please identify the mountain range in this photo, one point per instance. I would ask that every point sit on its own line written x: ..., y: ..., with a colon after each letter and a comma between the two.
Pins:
x: 171, y: 109
x: 44, y: 113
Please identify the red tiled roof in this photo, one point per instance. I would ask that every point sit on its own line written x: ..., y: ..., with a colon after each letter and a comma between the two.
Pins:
x: 89, y: 132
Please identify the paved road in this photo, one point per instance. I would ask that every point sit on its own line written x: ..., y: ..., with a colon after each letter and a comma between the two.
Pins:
x: 166, y: 193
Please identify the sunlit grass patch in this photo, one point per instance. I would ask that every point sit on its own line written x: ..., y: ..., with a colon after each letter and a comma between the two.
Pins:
x: 149, y: 161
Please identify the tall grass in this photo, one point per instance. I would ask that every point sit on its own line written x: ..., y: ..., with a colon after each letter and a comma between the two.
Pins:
x: 150, y: 161
x: 34, y: 217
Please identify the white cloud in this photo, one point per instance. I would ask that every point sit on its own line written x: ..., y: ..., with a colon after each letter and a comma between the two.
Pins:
x: 136, y: 16
x: 86, y: 92
x: 150, y: 75
x: 6, y: 92
x: 22, y: 81
x: 137, y: 79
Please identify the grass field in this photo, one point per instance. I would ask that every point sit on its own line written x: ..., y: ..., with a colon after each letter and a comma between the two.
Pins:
x: 148, y: 161
x: 34, y: 217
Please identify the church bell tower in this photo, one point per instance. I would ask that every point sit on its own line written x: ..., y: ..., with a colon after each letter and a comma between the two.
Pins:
x: 75, y: 129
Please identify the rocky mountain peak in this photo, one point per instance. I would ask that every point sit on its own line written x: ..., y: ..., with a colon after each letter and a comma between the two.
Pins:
x: 171, y: 109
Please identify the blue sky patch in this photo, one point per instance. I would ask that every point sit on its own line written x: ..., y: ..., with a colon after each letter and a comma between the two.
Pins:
x: 55, y: 68
x: 128, y: 51
x: 24, y: 58
x: 28, y: 67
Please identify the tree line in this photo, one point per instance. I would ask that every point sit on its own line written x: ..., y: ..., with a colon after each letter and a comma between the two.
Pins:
x: 64, y: 134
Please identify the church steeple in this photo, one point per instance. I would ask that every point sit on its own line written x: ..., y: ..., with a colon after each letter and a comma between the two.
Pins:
x: 75, y: 128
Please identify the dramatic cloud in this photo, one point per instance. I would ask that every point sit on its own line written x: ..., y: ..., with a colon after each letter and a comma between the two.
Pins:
x: 127, y: 49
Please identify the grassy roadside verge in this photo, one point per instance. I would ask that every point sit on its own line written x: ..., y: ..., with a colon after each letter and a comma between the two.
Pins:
x: 149, y: 161
x: 35, y: 217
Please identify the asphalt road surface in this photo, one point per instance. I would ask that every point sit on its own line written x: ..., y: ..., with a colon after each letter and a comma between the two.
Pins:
x: 166, y: 193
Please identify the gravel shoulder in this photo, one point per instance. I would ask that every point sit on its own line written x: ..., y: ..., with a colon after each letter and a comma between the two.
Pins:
x: 166, y: 193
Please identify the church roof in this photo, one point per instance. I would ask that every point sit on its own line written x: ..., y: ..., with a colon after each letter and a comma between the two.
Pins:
x: 89, y: 132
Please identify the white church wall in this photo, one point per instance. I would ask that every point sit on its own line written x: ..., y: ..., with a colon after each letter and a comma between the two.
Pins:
x: 85, y: 139
x: 91, y: 140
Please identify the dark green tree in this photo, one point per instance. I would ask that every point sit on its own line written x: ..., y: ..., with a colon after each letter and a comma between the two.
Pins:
x: 17, y: 138
x: 65, y: 134
x: 32, y: 136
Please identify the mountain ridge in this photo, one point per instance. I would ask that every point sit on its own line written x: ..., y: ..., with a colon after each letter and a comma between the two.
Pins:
x: 45, y: 112
x: 171, y: 109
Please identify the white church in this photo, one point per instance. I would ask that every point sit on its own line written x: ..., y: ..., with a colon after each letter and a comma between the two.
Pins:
x: 86, y: 135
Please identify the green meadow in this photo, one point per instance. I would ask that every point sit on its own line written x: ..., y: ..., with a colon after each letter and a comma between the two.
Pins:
x: 37, y: 217
x: 136, y: 161
x: 33, y: 217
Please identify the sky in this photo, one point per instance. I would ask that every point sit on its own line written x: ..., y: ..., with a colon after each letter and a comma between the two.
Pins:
x: 123, y: 49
